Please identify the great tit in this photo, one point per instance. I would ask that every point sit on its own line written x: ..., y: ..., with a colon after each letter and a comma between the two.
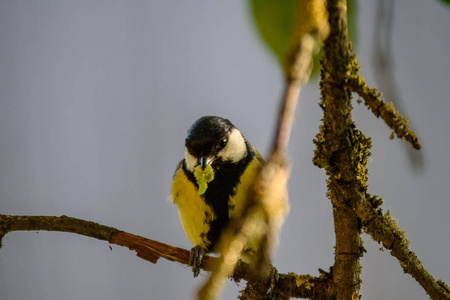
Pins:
x: 211, y: 182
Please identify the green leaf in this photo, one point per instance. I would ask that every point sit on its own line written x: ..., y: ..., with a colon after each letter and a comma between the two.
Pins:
x: 275, y: 21
x: 446, y: 1
x: 352, y: 8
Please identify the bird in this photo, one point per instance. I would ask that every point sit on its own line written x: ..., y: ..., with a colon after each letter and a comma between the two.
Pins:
x: 211, y: 183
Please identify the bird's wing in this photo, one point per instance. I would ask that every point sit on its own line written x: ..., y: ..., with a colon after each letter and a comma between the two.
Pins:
x: 259, y: 157
x: 238, y: 200
x: 172, y: 196
x: 179, y: 166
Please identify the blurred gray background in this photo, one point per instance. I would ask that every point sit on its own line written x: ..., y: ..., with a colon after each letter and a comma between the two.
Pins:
x: 95, y: 101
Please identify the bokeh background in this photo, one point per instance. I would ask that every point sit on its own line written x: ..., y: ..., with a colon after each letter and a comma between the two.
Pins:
x: 95, y: 101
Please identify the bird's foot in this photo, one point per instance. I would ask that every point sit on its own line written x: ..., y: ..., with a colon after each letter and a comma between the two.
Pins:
x: 196, y: 258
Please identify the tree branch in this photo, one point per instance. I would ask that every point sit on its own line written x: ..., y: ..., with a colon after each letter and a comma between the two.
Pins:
x: 342, y: 150
x: 382, y: 228
x: 266, y: 203
x: 375, y: 102
x: 289, y: 285
x: 145, y: 248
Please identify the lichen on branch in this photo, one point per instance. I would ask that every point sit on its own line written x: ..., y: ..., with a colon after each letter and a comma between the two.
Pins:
x: 342, y: 150
x: 384, y: 229
x: 375, y: 102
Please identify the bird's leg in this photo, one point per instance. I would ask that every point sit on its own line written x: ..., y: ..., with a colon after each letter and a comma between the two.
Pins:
x: 196, y: 258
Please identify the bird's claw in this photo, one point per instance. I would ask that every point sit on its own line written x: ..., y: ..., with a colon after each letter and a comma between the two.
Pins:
x: 196, y: 258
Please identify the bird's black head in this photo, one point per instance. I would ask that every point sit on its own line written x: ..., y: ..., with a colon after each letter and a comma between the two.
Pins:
x: 212, y: 140
x: 208, y: 135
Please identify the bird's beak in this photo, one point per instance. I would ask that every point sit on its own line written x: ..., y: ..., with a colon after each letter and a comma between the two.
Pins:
x: 205, y: 160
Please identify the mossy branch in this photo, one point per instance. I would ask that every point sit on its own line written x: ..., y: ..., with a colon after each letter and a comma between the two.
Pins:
x: 289, y: 285
x: 375, y: 102
x: 384, y: 229
x: 342, y: 151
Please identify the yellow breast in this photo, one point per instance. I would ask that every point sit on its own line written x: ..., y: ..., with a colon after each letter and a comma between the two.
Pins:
x: 195, y: 215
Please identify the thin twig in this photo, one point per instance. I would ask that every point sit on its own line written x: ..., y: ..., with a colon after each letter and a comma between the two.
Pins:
x: 375, y: 102
x: 286, y: 117
x: 266, y: 204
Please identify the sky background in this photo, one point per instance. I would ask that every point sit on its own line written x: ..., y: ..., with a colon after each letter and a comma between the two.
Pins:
x: 95, y: 101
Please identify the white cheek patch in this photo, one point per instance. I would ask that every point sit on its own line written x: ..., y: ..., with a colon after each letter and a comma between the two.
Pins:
x: 191, y: 161
x: 236, y: 149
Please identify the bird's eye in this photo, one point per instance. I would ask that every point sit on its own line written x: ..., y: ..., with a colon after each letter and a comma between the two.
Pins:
x: 223, y: 142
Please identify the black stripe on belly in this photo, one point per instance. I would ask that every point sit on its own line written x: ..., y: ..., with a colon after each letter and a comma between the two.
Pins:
x: 218, y: 193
